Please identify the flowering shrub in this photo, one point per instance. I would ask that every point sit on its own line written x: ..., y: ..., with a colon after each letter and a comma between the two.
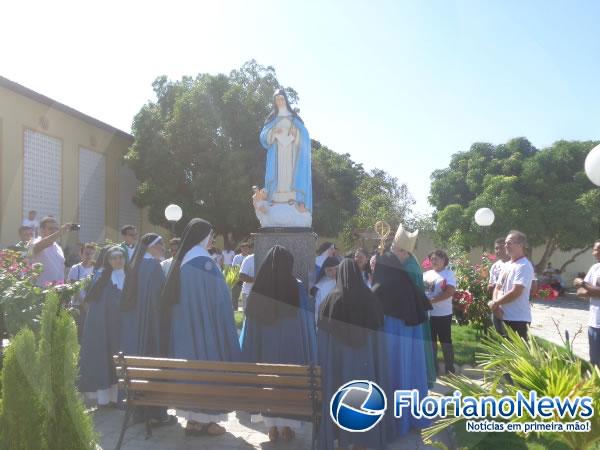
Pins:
x: 471, y: 296
x: 461, y: 301
x: 426, y: 264
x: 20, y: 298
x: 547, y: 292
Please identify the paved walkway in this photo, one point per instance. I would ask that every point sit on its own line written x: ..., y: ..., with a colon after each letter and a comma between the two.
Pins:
x: 241, y: 434
x: 570, y: 314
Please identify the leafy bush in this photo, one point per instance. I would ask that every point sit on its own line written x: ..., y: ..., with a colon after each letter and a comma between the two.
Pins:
x: 20, y: 298
x: 66, y: 425
x: 21, y: 413
x: 544, y: 368
x: 471, y: 297
x: 41, y: 406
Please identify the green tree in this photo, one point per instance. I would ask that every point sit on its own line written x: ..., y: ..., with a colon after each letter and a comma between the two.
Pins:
x: 65, y: 424
x: 197, y: 145
x: 336, y: 179
x: 21, y: 415
x: 380, y: 197
x: 543, y: 193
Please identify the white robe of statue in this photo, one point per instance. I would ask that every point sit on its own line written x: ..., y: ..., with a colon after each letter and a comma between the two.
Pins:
x: 287, y: 151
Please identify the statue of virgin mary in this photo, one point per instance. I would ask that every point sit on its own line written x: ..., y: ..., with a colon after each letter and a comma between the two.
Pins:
x: 288, y: 170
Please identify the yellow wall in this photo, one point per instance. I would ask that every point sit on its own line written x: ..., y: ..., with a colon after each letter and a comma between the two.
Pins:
x: 18, y: 112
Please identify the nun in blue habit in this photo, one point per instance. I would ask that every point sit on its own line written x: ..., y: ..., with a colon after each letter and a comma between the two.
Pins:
x: 140, y: 307
x: 349, y: 333
x: 405, y: 309
x: 279, y: 326
x: 142, y: 323
x: 202, y: 323
x: 100, y: 339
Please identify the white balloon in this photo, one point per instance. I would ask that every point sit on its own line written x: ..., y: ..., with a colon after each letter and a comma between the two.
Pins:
x: 173, y: 213
x: 592, y: 165
x: 484, y: 217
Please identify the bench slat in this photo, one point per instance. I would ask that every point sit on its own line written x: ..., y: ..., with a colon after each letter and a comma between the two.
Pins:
x: 276, y: 369
x: 199, y: 402
x: 259, y: 379
x: 259, y: 394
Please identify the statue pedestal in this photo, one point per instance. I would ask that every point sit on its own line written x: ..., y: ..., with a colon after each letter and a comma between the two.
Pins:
x: 301, y: 242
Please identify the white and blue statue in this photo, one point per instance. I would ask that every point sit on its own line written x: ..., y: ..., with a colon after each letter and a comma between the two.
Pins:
x: 286, y: 200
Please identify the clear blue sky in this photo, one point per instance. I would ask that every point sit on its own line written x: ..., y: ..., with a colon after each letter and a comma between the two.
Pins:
x: 399, y: 85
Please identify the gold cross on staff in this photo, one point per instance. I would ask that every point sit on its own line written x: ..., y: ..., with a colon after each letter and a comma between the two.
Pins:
x: 382, y: 228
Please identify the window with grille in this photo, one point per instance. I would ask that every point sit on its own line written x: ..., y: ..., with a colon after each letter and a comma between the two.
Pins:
x: 129, y: 213
x: 42, y: 175
x: 92, y: 195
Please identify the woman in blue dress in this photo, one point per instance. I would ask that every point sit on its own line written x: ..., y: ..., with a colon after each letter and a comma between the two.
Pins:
x: 350, y: 321
x: 199, y: 305
x: 100, y: 337
x: 279, y: 326
x: 405, y: 309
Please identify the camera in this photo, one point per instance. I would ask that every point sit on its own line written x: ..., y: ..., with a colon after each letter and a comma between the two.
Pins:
x: 75, y: 227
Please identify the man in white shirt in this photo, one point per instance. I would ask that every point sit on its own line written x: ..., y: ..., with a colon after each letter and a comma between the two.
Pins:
x: 245, y: 248
x: 78, y: 272
x: 174, y: 244
x: 228, y: 256
x: 511, y: 295
x: 129, y: 234
x: 247, y: 277
x: 589, y: 287
x: 501, y: 259
x: 32, y: 223
x: 244, y: 251
x: 46, y: 251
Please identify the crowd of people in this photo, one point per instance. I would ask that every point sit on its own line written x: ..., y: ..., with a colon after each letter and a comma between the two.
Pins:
x: 367, y: 315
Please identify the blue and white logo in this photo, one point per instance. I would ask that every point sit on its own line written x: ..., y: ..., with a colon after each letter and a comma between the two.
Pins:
x: 358, y: 405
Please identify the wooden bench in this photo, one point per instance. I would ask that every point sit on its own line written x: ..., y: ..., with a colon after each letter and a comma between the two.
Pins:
x: 280, y: 390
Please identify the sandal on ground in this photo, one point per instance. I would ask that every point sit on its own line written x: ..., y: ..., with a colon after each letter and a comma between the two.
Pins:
x: 287, y: 434
x: 194, y: 428
x: 169, y: 420
x: 214, y: 429
x: 273, y: 434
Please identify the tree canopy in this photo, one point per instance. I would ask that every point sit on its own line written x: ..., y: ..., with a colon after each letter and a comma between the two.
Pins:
x: 544, y: 193
x: 197, y: 145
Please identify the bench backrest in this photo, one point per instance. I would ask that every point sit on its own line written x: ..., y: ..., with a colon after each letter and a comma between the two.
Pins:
x: 278, y: 389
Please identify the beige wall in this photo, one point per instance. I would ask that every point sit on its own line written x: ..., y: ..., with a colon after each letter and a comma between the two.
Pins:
x: 17, y: 113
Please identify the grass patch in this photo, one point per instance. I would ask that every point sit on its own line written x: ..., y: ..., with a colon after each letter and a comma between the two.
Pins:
x: 466, y: 343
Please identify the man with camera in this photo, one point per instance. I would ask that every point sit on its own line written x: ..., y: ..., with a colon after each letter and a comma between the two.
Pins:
x: 45, y: 250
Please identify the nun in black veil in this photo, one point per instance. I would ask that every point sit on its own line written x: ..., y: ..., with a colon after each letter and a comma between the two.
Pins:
x: 349, y: 348
x: 141, y: 325
x: 198, y: 302
x: 279, y: 326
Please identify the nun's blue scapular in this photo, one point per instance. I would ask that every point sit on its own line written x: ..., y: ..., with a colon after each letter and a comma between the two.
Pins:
x: 202, y: 323
x: 350, y: 348
x: 100, y: 338
x: 279, y: 326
